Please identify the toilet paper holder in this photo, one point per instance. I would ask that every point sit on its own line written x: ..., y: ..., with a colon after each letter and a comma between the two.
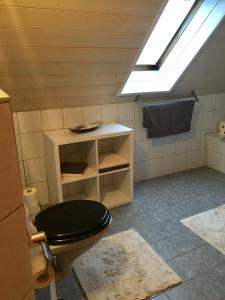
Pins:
x: 41, y: 238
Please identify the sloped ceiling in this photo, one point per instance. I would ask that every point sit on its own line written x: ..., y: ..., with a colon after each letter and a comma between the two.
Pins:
x: 67, y: 53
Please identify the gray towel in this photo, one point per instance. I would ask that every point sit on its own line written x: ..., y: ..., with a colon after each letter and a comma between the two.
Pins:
x: 168, y: 118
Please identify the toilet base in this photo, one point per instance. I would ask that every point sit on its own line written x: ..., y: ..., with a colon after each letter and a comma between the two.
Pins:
x: 66, y: 254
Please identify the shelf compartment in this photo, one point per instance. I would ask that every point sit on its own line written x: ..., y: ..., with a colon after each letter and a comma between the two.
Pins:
x: 113, y: 153
x: 89, y: 173
x: 113, y: 198
x: 79, y: 152
x: 115, y: 189
x: 114, y: 171
x: 85, y: 189
x: 111, y: 161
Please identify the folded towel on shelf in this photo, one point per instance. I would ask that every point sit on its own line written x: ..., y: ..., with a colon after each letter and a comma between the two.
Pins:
x: 164, y: 119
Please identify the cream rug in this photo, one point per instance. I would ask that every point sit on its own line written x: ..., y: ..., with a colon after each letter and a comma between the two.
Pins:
x: 210, y: 226
x: 123, y: 267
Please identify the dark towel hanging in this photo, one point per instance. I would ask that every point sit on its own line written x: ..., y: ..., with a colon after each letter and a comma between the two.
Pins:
x: 165, y: 119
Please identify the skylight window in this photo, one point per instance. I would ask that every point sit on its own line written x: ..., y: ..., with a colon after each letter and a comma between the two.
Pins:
x: 164, y: 30
x: 204, y: 20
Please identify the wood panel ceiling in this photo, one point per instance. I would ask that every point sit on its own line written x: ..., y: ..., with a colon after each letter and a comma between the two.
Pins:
x: 57, y: 53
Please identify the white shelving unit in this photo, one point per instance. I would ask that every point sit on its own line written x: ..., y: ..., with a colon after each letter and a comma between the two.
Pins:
x: 108, y: 152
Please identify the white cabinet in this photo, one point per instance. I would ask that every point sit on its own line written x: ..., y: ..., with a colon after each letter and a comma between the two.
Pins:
x: 215, y: 152
x: 108, y: 153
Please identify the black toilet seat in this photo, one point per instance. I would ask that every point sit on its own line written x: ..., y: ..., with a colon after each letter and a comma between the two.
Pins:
x: 72, y: 221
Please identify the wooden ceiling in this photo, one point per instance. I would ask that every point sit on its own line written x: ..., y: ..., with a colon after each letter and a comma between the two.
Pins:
x: 67, y: 53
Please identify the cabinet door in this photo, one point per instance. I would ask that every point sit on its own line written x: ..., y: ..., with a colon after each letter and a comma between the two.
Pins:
x: 15, y: 278
x: 10, y: 187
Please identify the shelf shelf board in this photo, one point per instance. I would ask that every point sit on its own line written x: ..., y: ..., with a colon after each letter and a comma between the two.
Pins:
x: 114, y: 171
x: 65, y: 136
x: 111, y: 160
x: 78, y: 196
x: 112, y: 197
x: 89, y: 173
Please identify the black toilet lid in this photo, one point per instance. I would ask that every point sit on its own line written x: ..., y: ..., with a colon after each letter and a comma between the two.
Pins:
x: 73, y: 220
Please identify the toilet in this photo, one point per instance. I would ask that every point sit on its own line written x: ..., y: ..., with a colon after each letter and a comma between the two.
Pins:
x: 72, y: 228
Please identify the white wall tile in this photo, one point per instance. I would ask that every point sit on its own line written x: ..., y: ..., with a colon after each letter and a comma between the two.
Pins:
x: 168, y: 145
x: 92, y: 113
x: 110, y: 113
x: 15, y: 123
x: 219, y: 116
x: 215, y: 123
x: 126, y: 111
x: 72, y: 116
x: 36, y: 170
x: 138, y: 112
x: 52, y: 119
x: 154, y: 148
x: 202, y: 142
x: 155, y: 167
x: 129, y: 124
x: 194, y: 141
x: 29, y: 121
x: 192, y: 160
x: 181, y: 143
x: 201, y: 158
x: 222, y: 167
x: 220, y: 101
x: 22, y: 174
x: 42, y: 192
x: 200, y: 103
x: 140, y: 132
x: 196, y: 122
x: 180, y: 162
x: 197, y: 107
x: 208, y: 102
x: 167, y: 165
x: 18, y: 147
x: 141, y: 150
x: 140, y: 170
x: 207, y: 121
x: 32, y: 145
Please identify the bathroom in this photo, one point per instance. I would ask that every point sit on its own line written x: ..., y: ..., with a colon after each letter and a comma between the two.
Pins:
x: 67, y: 63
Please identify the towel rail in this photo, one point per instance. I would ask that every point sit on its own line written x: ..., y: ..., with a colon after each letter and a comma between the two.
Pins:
x: 143, y: 102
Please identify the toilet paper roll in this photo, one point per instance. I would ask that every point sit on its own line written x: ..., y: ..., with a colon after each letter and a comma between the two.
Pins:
x: 34, y: 209
x: 30, y: 198
x: 31, y: 229
x: 41, y: 276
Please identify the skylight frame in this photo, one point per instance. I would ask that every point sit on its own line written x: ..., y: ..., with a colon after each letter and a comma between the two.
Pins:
x: 148, y: 81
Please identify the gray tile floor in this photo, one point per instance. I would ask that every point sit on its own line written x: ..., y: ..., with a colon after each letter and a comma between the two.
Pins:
x: 159, y: 205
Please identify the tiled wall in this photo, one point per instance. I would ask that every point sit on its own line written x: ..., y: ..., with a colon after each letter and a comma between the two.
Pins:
x: 153, y: 157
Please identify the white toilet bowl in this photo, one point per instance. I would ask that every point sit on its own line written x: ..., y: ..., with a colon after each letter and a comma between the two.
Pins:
x: 72, y: 228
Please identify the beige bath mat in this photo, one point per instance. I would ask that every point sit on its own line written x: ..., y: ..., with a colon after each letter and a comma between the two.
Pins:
x: 210, y: 226
x: 123, y: 267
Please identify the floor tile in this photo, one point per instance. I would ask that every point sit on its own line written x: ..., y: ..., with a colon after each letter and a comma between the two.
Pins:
x: 197, y: 261
x: 189, y: 290
x: 213, y: 283
x: 178, y: 244
x: 160, y: 297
